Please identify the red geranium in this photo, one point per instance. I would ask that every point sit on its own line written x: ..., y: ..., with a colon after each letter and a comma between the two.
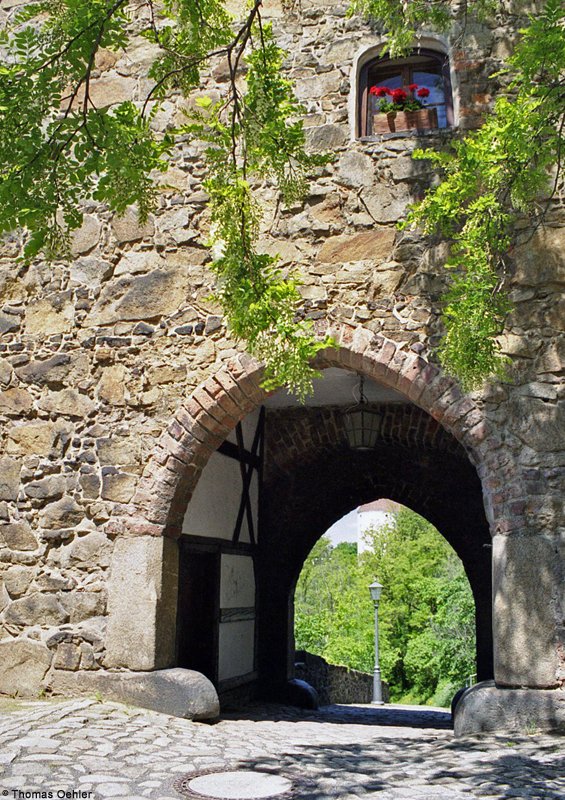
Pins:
x: 423, y: 92
x: 413, y: 86
x: 379, y: 91
x: 398, y: 95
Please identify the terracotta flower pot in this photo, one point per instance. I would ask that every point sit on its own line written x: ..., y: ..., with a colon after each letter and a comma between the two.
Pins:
x: 423, y: 119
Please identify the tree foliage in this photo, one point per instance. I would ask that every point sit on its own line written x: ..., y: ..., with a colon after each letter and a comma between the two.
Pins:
x: 401, y: 21
x: 59, y: 149
x: 492, y: 177
x: 426, y: 611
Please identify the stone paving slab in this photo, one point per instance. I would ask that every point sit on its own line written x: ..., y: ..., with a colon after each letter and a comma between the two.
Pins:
x: 88, y: 750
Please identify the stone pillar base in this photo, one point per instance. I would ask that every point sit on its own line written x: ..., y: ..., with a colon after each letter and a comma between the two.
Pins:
x: 178, y: 692
x: 486, y: 708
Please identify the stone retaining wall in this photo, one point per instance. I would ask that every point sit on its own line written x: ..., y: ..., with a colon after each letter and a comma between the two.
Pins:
x: 334, y: 683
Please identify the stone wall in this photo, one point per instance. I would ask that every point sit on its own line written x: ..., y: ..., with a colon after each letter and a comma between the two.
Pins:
x: 98, y: 354
x: 334, y: 683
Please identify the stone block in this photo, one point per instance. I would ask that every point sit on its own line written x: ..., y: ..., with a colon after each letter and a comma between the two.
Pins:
x: 387, y: 206
x: 8, y: 323
x: 4, y: 596
x: 527, y: 591
x: 83, y: 605
x: 356, y: 169
x: 87, y: 656
x: 155, y: 294
x: 87, y: 236
x: 540, y: 261
x: 18, y: 536
x: 178, y: 692
x: 50, y: 371
x: 119, y: 487
x: 9, y: 478
x: 485, y: 708
x: 47, y: 317
x: 144, y: 576
x: 54, y: 581
x: 111, y: 387
x: 23, y: 665
x: 109, y: 90
x: 538, y: 423
x: 49, y: 488
x: 118, y: 451
x: 67, y: 403
x: 15, y: 402
x: 326, y: 137
x: 67, y: 656
x: 287, y: 252
x: 36, y: 609
x: 373, y: 246
x: 64, y: 513
x: 6, y: 372
x: 128, y: 228
x: 91, y: 551
x: 17, y: 579
x: 37, y: 438
x: 342, y: 50
x: 90, y: 271
x: 139, y: 262
x: 90, y: 485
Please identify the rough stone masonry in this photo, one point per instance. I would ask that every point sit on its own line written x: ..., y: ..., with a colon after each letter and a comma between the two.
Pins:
x: 101, y: 356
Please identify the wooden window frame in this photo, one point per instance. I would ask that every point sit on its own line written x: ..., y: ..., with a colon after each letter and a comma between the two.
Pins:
x: 390, y: 65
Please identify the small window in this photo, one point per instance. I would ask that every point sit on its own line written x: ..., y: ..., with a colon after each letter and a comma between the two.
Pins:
x: 426, y: 69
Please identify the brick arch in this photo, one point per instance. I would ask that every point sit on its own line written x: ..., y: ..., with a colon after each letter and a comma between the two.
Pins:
x: 219, y: 403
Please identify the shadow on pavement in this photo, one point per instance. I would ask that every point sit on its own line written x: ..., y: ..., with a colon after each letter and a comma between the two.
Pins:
x: 389, y: 715
x: 322, y: 772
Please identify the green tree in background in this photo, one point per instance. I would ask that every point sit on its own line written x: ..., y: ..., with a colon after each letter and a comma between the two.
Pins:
x: 426, y: 612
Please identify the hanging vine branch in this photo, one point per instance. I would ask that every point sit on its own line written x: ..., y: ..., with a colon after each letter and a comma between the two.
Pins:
x: 57, y: 148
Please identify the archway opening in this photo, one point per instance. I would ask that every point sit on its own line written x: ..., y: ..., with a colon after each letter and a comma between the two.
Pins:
x: 427, y: 647
x: 269, y: 492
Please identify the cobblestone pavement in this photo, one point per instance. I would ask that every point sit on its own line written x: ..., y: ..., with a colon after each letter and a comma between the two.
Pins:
x: 90, y: 750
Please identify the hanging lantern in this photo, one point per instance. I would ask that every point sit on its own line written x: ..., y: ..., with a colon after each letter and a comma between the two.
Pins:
x: 362, y: 424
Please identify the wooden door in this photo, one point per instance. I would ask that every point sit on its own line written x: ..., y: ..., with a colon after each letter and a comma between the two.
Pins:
x: 198, y: 611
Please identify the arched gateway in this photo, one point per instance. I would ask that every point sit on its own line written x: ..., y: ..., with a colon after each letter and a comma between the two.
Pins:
x: 121, y: 391
x: 148, y: 615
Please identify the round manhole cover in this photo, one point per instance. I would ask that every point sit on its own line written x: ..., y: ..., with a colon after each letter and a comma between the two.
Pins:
x: 235, y: 785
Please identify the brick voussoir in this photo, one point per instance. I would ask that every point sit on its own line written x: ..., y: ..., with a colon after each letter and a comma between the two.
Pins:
x: 345, y: 336
x: 433, y: 393
x: 207, y: 429
x: 362, y: 339
x: 209, y: 405
x: 197, y: 431
x: 465, y: 406
x: 177, y: 431
x: 251, y: 385
x: 232, y: 388
x: 383, y: 358
x: 410, y: 382
x: 396, y: 367
x: 227, y: 405
x: 229, y: 394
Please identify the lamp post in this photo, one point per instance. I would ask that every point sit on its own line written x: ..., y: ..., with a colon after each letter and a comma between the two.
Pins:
x: 376, y: 588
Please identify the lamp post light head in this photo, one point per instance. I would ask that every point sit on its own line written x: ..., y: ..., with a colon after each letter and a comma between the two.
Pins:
x: 375, y: 588
x: 362, y: 423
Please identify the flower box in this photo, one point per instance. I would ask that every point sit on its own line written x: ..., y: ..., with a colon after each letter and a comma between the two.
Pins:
x: 423, y: 119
